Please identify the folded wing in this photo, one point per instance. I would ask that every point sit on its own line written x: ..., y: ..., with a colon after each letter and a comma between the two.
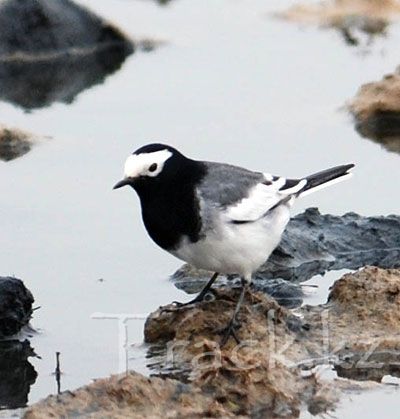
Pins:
x: 263, y: 197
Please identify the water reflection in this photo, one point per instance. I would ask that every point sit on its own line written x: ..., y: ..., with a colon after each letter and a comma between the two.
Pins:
x: 383, y: 127
x: 361, y: 30
x: 16, y: 373
x: 38, y: 83
x: 374, y: 366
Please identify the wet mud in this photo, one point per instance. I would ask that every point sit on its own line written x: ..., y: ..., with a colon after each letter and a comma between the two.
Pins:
x: 271, y: 373
x: 357, y: 21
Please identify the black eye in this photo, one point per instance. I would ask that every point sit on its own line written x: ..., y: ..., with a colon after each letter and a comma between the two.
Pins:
x: 153, y: 167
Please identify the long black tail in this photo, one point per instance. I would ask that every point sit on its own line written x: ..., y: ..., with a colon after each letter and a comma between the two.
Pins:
x: 326, y: 178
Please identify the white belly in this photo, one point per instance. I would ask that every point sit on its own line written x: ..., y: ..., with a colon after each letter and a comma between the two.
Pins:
x: 236, y: 248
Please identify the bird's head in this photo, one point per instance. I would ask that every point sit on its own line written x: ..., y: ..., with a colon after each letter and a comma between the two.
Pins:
x: 149, y: 165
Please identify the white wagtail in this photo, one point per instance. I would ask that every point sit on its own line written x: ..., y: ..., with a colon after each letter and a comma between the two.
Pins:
x: 216, y: 216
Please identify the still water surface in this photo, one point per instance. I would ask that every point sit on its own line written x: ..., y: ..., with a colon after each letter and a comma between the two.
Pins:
x: 229, y: 84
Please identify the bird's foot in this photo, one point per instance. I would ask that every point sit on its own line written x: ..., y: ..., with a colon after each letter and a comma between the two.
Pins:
x: 230, y: 331
x: 176, y: 305
x: 198, y: 299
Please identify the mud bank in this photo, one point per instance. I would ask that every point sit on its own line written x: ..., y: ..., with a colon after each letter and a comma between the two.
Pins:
x: 376, y: 111
x: 358, y: 21
x: 271, y: 373
x: 313, y: 244
x: 41, y: 39
x: 14, y: 143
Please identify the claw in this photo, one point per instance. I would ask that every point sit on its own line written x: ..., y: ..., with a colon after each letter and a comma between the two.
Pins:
x: 228, y: 331
x: 198, y: 299
x: 178, y: 304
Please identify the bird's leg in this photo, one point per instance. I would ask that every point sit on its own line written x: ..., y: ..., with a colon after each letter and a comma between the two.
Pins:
x: 230, y: 329
x: 202, y: 294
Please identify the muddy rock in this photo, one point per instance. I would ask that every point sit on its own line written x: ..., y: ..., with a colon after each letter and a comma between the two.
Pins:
x: 312, y: 244
x: 376, y: 111
x: 14, y: 143
x: 219, y: 383
x: 358, y: 21
x: 248, y: 379
x: 15, y: 306
x: 362, y: 308
x: 271, y: 373
x: 51, y: 50
x: 129, y: 396
x: 356, y: 331
x: 359, y: 325
x: 17, y: 374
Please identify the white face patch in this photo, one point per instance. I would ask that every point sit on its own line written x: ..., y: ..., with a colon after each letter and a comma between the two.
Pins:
x: 140, y: 164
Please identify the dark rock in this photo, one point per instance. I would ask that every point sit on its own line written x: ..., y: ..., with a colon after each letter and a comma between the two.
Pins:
x: 50, y: 26
x: 51, y: 50
x: 16, y: 373
x: 15, y: 306
x: 285, y: 293
x: 313, y: 244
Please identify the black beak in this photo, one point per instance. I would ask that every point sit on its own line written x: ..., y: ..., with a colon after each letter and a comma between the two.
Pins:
x: 122, y: 183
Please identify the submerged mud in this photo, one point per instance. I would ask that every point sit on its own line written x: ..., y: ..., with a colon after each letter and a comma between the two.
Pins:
x: 313, y: 244
x: 271, y: 373
x: 51, y: 50
x: 358, y: 21
x: 376, y: 111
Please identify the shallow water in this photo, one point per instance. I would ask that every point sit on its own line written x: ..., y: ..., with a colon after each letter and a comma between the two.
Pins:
x: 230, y: 83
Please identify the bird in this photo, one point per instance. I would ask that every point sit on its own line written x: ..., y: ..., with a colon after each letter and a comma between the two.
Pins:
x: 216, y: 216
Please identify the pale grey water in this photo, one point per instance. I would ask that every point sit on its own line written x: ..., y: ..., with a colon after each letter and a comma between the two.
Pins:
x: 230, y: 84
